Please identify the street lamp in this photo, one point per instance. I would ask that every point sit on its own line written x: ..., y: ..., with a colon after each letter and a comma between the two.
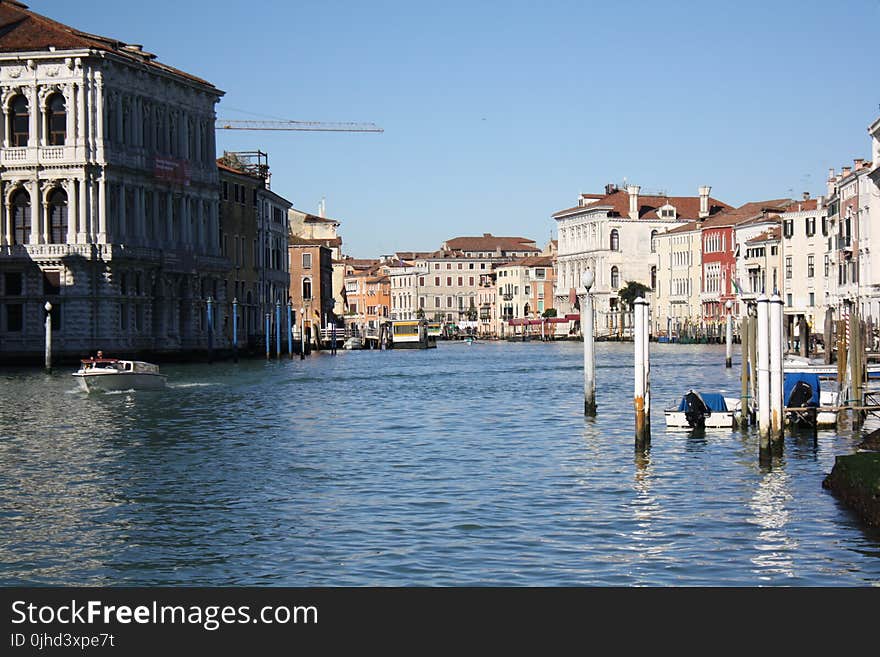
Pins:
x: 302, y: 335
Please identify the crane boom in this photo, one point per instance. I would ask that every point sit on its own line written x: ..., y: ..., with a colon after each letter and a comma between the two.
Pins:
x: 313, y: 126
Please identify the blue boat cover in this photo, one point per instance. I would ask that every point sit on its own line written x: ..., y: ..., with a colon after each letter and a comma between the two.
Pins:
x: 790, y: 381
x: 714, y: 401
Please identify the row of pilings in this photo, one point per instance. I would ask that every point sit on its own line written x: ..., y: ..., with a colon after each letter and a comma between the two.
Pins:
x: 762, y: 366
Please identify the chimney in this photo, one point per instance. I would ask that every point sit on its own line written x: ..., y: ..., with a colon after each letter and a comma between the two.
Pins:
x: 610, y: 188
x: 806, y: 196
x: 845, y: 171
x: 633, y: 191
x: 820, y: 202
x: 487, y: 234
x: 858, y: 162
x: 830, y: 183
x: 704, y: 201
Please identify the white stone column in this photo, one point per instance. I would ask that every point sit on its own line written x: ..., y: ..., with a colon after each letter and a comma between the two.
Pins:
x: 44, y: 220
x: 70, y: 116
x: 36, y: 227
x: 73, y: 217
x: 81, y: 133
x: 99, y: 136
x: 4, y: 215
x: 102, y: 209
x: 33, y: 120
x: 6, y: 127
x: 84, y: 228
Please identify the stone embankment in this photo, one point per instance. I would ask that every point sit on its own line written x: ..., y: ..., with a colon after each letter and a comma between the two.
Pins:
x: 855, y: 479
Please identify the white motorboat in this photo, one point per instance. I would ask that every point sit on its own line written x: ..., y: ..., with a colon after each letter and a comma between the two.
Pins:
x: 353, y: 342
x: 110, y: 374
x: 703, y: 411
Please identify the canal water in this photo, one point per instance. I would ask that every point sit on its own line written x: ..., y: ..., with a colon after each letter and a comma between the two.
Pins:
x: 464, y: 465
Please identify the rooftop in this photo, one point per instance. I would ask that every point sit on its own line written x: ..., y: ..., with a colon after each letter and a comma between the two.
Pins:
x: 22, y: 30
x: 686, y: 207
x: 490, y: 242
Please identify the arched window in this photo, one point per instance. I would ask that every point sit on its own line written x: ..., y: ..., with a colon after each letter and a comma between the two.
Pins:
x: 57, y: 115
x: 20, y: 122
x: 654, y: 278
x: 615, y: 278
x: 57, y: 217
x: 307, y: 288
x: 21, y: 217
x: 615, y: 240
x: 653, y: 241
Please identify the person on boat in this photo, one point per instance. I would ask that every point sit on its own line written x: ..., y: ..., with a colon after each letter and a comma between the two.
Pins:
x: 100, y: 354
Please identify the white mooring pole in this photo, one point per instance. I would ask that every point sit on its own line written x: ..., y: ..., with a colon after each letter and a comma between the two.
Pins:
x: 646, y: 333
x: 728, y: 360
x: 763, y: 345
x: 48, y: 308
x: 777, y: 419
x: 589, y: 347
x: 640, y: 367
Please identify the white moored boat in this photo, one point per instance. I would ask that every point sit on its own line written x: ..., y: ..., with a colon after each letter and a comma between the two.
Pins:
x: 703, y: 411
x: 108, y: 374
x: 353, y: 342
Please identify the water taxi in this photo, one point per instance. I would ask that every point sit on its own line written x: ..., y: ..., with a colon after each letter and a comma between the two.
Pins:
x: 411, y: 334
x: 109, y: 374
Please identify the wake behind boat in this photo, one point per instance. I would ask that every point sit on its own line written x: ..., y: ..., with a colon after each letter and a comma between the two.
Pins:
x: 110, y: 374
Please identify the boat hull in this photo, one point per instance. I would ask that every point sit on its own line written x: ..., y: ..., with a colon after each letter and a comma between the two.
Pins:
x: 717, y: 420
x: 110, y: 382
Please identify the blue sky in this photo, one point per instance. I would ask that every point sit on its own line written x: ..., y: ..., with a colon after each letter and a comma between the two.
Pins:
x: 497, y: 114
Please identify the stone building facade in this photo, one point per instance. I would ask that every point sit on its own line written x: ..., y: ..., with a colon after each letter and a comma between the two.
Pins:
x: 109, y: 188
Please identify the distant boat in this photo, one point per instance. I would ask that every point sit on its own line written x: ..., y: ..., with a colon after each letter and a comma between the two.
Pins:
x: 353, y: 342
x: 702, y: 411
x: 110, y: 374
x: 412, y: 334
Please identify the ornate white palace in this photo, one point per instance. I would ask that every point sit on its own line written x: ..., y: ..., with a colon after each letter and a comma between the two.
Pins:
x: 615, y: 236
x: 110, y: 195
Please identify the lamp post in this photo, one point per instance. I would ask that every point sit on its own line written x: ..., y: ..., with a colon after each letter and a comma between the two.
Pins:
x: 277, y: 328
x: 209, y: 308
x: 268, y: 338
x: 235, y: 329
x: 289, y: 329
x: 302, y: 333
x: 48, y: 308
x: 587, y: 279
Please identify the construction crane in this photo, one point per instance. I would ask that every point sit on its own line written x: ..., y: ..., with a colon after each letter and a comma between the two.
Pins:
x: 311, y: 126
